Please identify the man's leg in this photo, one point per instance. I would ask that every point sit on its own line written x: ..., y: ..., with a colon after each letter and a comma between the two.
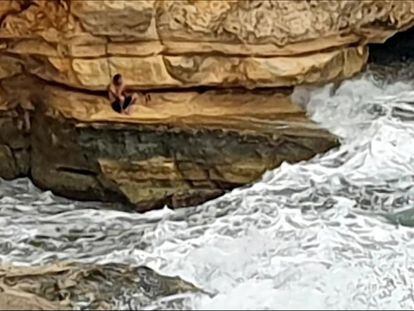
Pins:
x: 134, y: 99
x: 144, y: 99
x: 130, y: 109
x: 131, y: 104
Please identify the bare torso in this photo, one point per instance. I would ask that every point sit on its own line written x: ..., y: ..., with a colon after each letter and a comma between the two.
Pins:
x: 116, y: 93
x: 123, y: 101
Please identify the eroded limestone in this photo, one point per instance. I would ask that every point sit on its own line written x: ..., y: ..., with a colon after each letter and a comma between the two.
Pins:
x: 208, y: 128
x: 180, y: 150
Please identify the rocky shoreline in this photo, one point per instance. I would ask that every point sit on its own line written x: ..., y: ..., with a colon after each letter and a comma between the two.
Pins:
x: 68, y: 286
x: 180, y: 150
x: 219, y: 74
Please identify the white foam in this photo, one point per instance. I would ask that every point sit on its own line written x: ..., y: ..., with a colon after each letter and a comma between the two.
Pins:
x: 298, y: 239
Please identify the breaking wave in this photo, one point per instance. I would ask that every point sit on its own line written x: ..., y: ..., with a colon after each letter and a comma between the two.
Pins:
x: 332, y: 232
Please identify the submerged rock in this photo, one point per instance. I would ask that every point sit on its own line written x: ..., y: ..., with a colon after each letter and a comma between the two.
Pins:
x: 85, y: 286
x: 17, y: 300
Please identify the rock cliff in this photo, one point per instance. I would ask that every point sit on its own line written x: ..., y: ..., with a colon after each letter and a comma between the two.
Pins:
x: 219, y: 74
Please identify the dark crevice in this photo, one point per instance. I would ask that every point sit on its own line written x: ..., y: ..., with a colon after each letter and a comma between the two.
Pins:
x: 65, y: 86
x: 398, y: 48
x: 78, y: 171
x: 167, y: 89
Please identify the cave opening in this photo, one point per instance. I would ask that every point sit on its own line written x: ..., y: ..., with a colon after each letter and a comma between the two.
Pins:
x: 398, y: 48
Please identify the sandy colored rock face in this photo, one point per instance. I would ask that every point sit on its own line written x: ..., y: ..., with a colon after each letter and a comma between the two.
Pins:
x: 232, y: 27
x: 216, y: 119
x: 180, y: 150
x: 202, y: 70
x: 178, y: 44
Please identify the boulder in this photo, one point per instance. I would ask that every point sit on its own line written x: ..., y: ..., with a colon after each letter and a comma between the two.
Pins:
x: 77, y: 286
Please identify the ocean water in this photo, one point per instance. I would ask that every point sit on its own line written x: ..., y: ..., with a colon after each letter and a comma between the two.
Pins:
x: 335, y: 232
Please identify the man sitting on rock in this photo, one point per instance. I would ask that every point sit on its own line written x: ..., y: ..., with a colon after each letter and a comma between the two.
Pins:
x: 121, y: 101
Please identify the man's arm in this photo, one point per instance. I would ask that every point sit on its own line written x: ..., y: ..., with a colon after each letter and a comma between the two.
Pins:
x: 111, y: 95
x: 115, y: 93
x: 120, y: 92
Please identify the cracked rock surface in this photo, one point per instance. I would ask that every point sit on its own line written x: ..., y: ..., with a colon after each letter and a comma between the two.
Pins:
x: 219, y: 74
x: 68, y: 286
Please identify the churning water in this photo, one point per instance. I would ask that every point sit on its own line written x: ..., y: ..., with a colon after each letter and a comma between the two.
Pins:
x: 332, y: 232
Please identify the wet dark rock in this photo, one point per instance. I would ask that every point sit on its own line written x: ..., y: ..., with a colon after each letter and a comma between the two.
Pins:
x: 88, y: 286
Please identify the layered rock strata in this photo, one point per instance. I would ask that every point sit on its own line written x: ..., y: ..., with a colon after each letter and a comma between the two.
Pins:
x: 180, y: 150
x: 219, y: 74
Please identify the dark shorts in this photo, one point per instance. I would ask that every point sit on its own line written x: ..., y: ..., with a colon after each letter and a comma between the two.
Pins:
x: 116, y: 105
